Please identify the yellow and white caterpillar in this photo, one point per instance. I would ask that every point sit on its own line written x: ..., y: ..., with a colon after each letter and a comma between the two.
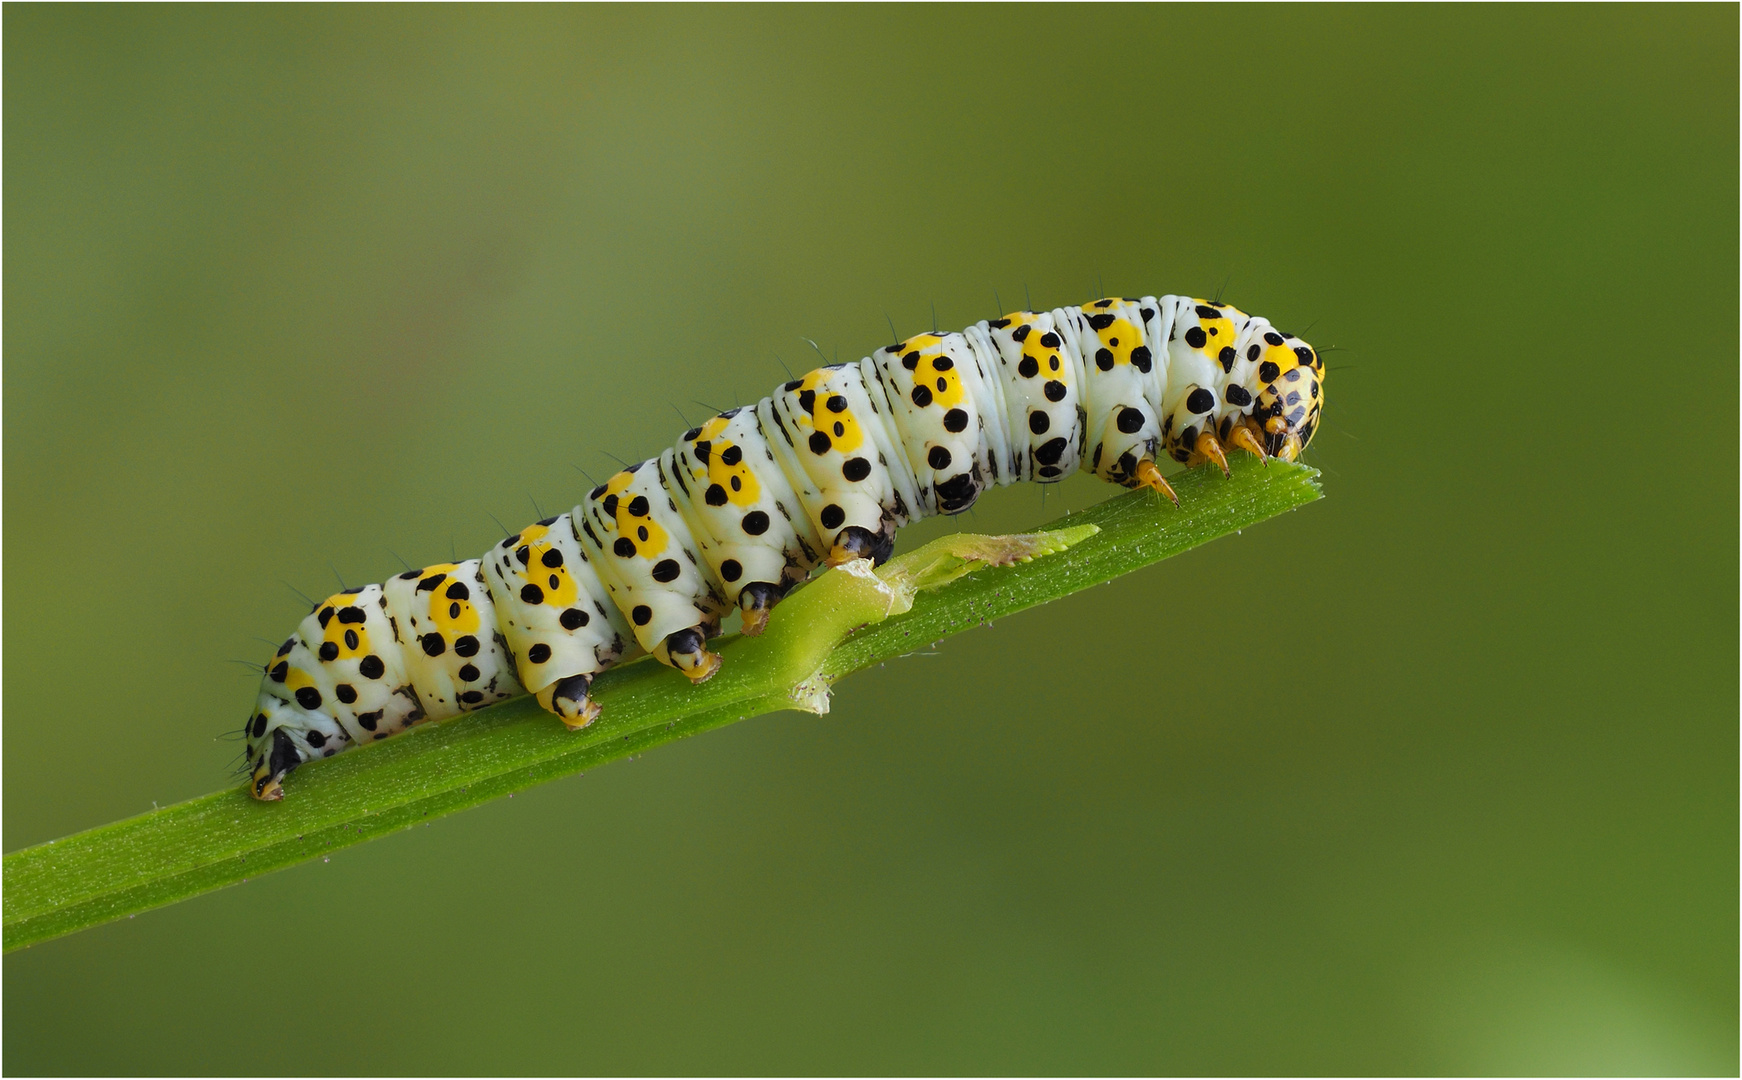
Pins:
x: 744, y: 507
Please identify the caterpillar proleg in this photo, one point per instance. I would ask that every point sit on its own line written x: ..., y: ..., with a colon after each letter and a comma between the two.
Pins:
x: 742, y: 509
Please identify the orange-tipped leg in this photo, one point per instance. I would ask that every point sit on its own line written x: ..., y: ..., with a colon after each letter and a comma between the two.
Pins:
x: 686, y: 651
x: 755, y: 621
x: 568, y: 699
x: 1243, y: 438
x: 1290, y: 448
x: 854, y: 542
x: 1150, y: 477
x: 698, y: 666
x: 1211, y: 447
x: 756, y: 600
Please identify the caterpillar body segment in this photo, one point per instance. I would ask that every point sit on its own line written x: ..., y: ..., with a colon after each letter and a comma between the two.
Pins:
x: 1041, y: 376
x: 447, y: 629
x: 850, y: 474
x: 743, y: 512
x: 556, y: 619
x: 936, y: 392
x: 359, y: 674
x: 646, y: 555
x: 745, y: 506
x: 1124, y: 382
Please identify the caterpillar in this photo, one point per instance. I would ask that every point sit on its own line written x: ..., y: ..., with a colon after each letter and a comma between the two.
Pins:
x: 744, y: 507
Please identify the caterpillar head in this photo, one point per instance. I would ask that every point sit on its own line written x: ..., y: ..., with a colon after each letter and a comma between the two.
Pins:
x: 1289, y: 390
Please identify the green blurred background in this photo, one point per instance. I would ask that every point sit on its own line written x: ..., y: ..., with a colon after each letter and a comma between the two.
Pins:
x: 287, y: 287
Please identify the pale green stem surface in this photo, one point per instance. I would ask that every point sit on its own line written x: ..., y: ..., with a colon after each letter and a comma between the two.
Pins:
x: 225, y: 838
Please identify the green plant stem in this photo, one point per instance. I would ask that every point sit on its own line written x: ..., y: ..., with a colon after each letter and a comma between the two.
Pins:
x: 225, y: 838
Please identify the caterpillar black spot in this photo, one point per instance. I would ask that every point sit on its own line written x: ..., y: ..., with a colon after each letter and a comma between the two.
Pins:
x: 745, y: 506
